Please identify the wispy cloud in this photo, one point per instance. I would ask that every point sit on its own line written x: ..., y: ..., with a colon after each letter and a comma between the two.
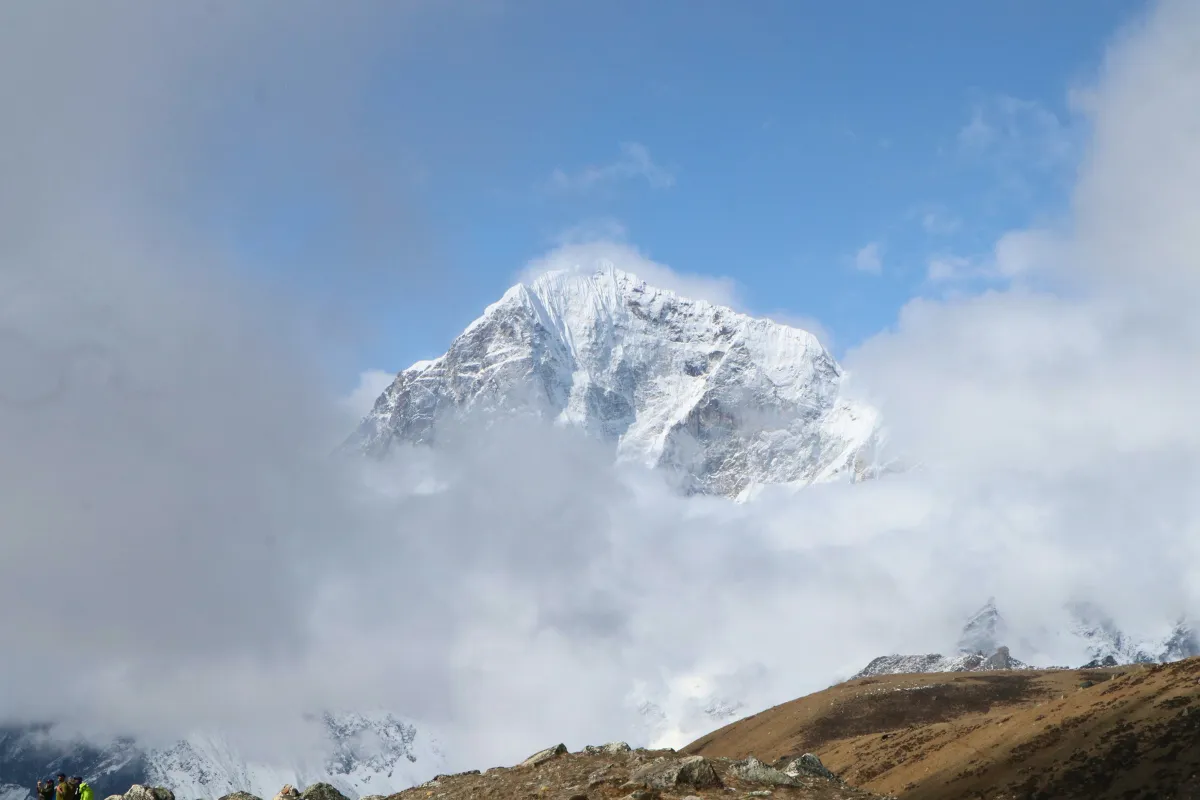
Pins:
x: 1011, y: 128
x: 939, y: 222
x: 1015, y: 255
x: 371, y: 384
x: 869, y: 258
x: 598, y: 229
x: 633, y: 163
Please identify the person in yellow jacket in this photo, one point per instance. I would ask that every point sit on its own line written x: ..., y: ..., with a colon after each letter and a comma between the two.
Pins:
x: 85, y: 791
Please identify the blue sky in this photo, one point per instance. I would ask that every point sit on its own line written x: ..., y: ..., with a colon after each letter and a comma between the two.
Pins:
x: 823, y: 155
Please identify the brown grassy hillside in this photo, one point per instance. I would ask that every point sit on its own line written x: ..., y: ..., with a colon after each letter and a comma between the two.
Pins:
x: 1134, y: 734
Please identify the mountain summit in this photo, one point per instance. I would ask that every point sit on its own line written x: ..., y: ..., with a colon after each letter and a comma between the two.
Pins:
x: 721, y: 401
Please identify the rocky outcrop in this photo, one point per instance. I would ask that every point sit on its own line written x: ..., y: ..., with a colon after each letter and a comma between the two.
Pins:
x: 978, y: 651
x: 240, y: 796
x: 751, y: 770
x: 322, y: 791
x: 936, y: 662
x: 139, y: 792
x: 612, y: 748
x: 542, y: 756
x: 808, y: 764
x: 669, y: 773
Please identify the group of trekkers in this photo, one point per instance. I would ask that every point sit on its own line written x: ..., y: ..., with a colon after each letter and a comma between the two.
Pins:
x: 65, y: 789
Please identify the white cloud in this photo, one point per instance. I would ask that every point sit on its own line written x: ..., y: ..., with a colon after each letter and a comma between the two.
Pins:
x: 950, y: 268
x: 1017, y: 255
x: 869, y: 258
x: 1011, y: 128
x: 634, y: 163
x: 1053, y: 411
x: 939, y: 223
x: 595, y: 254
x: 371, y: 384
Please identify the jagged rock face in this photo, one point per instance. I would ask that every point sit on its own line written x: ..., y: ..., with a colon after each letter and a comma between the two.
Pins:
x: 723, y: 402
x: 1184, y: 642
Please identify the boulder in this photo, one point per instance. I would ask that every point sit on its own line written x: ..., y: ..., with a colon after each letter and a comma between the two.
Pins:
x: 542, y: 756
x: 322, y: 791
x: 1001, y: 659
x: 751, y: 770
x: 115, y: 797
x: 612, y: 748
x: 643, y: 794
x: 140, y: 792
x: 668, y: 773
x: 240, y: 796
x: 600, y: 777
x: 808, y: 764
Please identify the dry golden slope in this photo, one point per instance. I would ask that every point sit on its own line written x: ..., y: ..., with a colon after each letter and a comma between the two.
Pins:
x: 1028, y: 734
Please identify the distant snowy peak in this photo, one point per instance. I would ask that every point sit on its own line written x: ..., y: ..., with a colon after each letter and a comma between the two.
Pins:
x: 369, y: 754
x: 979, y: 650
x: 721, y: 401
x: 980, y: 645
x: 1107, y: 644
x: 983, y: 631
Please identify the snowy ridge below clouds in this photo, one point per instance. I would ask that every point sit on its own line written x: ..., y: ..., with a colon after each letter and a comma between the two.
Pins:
x: 369, y: 754
x: 1092, y: 632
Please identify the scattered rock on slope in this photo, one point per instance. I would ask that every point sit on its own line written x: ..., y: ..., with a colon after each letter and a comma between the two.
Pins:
x: 993, y: 736
x: 616, y: 771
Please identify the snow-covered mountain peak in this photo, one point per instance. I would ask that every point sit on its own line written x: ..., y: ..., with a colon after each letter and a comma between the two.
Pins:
x: 722, y: 401
x: 984, y: 630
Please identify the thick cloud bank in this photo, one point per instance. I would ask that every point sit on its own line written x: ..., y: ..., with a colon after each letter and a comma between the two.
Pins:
x: 179, y: 552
